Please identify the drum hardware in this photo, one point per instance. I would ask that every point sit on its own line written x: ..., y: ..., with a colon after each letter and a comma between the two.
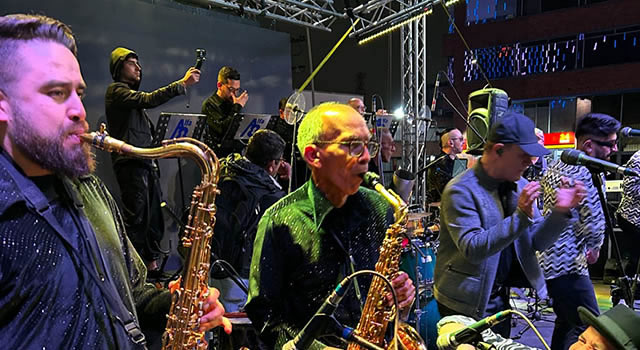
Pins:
x: 417, y: 216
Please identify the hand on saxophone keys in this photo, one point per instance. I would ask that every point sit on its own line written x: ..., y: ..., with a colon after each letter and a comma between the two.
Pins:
x: 213, y: 311
x: 405, y: 290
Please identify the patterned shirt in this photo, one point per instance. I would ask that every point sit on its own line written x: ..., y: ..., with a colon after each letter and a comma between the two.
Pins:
x: 568, y: 254
x: 630, y: 205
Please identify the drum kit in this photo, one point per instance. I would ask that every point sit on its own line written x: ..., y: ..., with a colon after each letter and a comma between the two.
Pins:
x: 418, y: 261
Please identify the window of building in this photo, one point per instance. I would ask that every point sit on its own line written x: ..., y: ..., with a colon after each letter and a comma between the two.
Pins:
x: 554, y: 55
x: 482, y: 11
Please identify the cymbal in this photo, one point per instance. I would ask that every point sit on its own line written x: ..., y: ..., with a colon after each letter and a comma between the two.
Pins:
x: 417, y: 216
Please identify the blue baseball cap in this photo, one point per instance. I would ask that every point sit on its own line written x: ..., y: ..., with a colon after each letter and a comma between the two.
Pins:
x: 516, y: 128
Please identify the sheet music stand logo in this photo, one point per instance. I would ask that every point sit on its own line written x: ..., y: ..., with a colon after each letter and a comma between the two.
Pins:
x: 255, y: 125
x: 182, y: 129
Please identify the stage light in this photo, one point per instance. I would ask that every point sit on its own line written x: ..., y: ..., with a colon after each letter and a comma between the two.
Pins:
x: 398, y: 113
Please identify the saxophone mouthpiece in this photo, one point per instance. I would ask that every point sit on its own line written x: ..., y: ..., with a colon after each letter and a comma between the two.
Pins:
x: 370, y: 179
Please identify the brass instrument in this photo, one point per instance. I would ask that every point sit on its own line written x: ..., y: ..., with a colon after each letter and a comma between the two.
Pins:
x: 376, y: 314
x: 191, y: 290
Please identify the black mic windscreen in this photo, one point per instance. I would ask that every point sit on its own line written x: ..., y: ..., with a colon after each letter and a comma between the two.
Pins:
x: 570, y: 156
x: 405, y: 175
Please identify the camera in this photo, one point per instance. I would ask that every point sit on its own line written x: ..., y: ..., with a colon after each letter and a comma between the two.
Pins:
x: 201, y: 55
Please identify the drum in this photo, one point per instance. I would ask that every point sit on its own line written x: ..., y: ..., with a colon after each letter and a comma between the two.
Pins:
x: 415, y: 224
x: 419, y: 258
x: 423, y: 226
x: 418, y: 261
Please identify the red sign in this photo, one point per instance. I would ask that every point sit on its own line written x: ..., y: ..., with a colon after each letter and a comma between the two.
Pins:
x: 567, y: 138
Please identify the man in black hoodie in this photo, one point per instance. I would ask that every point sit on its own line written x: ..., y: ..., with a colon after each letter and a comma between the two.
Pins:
x: 138, y: 178
x: 248, y: 186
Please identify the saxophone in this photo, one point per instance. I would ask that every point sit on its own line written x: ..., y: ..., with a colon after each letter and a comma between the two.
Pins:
x: 191, y: 289
x: 376, y: 314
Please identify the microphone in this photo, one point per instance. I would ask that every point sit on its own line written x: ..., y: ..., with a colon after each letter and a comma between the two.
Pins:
x: 435, y: 93
x: 470, y: 334
x: 628, y: 132
x: 319, y: 321
x: 576, y: 157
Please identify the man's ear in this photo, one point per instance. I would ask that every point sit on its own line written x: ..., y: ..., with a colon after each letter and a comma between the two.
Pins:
x: 499, y: 147
x: 219, y: 84
x: 587, y: 146
x: 5, y: 108
x: 312, y: 156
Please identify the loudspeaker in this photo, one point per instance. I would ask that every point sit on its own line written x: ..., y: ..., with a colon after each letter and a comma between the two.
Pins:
x: 486, y: 107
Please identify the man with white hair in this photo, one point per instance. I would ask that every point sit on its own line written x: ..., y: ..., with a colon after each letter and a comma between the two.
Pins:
x: 325, y: 230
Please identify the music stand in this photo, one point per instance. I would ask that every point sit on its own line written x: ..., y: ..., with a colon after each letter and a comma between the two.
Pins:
x: 177, y: 125
x: 249, y: 123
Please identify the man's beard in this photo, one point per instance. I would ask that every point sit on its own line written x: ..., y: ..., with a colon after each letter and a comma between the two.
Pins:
x: 50, y: 153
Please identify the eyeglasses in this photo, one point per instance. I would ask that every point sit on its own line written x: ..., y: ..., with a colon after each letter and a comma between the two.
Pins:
x: 610, y: 144
x: 234, y: 91
x: 356, y: 147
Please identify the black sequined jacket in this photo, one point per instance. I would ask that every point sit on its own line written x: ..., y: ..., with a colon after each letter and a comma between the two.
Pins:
x: 48, y: 299
x: 303, y: 250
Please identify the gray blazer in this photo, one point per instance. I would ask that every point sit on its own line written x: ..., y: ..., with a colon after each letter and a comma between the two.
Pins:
x: 474, y: 231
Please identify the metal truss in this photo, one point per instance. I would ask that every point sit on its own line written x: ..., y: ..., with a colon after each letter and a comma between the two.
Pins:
x: 315, y: 14
x: 416, y: 102
x: 376, y: 16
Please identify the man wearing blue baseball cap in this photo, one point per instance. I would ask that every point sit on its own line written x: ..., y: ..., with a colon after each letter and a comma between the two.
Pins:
x: 491, y: 228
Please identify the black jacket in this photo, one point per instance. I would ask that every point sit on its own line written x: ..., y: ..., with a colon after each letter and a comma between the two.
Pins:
x: 246, y: 191
x: 47, y: 296
x: 124, y: 104
x: 221, y: 127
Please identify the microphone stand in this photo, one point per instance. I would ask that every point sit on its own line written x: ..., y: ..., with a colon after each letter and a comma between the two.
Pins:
x: 293, y: 152
x: 624, y: 285
x: 431, y: 164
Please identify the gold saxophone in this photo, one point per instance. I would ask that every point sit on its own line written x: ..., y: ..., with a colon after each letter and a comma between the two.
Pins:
x: 376, y: 313
x: 191, y: 290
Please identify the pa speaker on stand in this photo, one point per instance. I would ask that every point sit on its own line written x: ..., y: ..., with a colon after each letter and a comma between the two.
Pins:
x: 486, y: 107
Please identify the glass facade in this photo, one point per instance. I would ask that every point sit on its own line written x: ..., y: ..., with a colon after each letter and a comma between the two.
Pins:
x: 553, y: 55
